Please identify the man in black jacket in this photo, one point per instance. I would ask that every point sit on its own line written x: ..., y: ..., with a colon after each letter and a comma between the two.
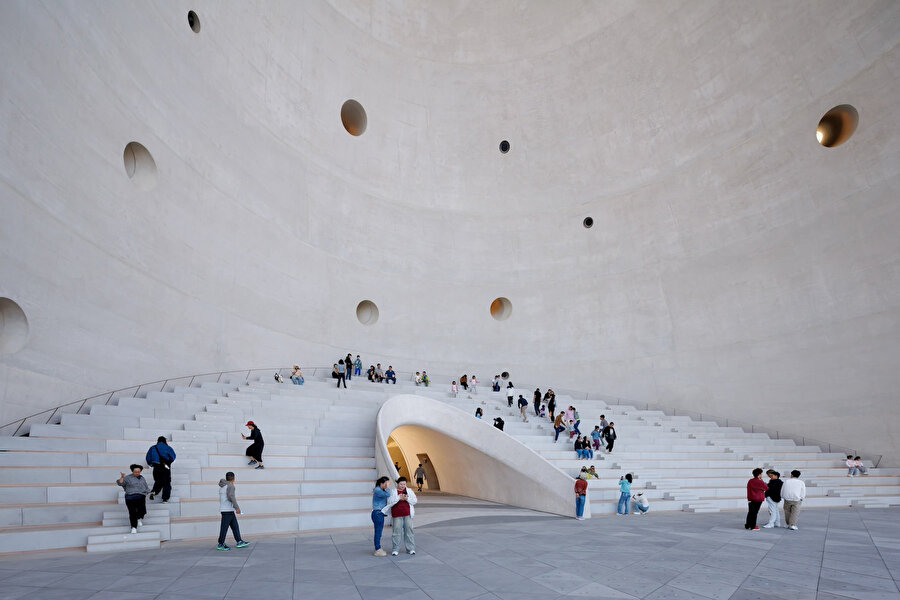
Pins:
x: 609, y: 434
x: 773, y: 498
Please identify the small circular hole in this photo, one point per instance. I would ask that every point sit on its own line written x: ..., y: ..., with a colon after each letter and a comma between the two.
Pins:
x: 367, y: 312
x: 501, y: 308
x: 13, y: 327
x: 588, y: 222
x: 140, y: 166
x: 504, y: 146
x: 837, y: 125
x: 194, y: 21
x: 504, y: 375
x: 354, y: 118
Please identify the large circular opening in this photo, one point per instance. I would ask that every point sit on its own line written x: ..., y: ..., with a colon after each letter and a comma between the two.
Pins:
x: 588, y: 222
x: 367, y: 312
x: 501, y: 308
x: 504, y: 146
x: 837, y: 125
x: 194, y: 21
x: 353, y: 116
x: 140, y: 166
x: 13, y: 327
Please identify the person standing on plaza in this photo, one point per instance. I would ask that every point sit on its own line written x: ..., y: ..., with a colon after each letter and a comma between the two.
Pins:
x: 793, y: 492
x: 773, y: 498
x: 756, y: 494
x: 255, y: 450
x: 357, y: 366
x: 160, y: 457
x: 624, y: 494
x: 229, y: 508
x: 348, y: 363
x: 401, y: 505
x: 580, y: 497
x: 510, y: 393
x: 380, y: 495
x: 551, y: 405
x: 136, y: 490
x: 537, y: 402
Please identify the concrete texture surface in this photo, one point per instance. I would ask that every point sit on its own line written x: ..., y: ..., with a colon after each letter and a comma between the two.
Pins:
x: 735, y: 266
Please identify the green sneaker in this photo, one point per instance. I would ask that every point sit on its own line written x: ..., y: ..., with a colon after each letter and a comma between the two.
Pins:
x: 242, y: 544
x: 222, y: 548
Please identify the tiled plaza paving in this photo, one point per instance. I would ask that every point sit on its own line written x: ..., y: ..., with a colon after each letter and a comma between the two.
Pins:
x: 505, y: 553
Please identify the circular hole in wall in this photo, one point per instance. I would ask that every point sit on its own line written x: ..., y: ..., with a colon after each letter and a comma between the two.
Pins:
x: 504, y: 375
x: 504, y: 146
x: 837, y: 125
x: 367, y: 312
x: 140, y: 166
x: 13, y: 327
x: 353, y: 116
x: 194, y: 21
x: 588, y: 222
x: 501, y: 308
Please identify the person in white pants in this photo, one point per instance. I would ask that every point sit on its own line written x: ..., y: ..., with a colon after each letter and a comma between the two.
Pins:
x: 773, y: 499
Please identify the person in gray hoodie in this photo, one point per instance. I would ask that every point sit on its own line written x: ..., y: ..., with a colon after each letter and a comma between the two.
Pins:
x: 136, y: 490
x: 229, y: 508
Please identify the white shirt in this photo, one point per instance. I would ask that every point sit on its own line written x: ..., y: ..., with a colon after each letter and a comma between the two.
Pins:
x: 793, y: 490
x: 395, y: 498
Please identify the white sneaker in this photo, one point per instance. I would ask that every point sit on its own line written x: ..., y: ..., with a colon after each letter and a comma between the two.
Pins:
x: 394, y: 553
x: 412, y: 552
x: 768, y: 526
x: 140, y: 522
x: 133, y: 530
x: 793, y: 527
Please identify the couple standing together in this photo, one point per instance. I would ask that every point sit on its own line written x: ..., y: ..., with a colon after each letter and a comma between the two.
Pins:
x: 399, y: 503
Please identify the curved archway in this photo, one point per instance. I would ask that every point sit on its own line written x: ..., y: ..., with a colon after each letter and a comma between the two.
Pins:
x: 471, y: 457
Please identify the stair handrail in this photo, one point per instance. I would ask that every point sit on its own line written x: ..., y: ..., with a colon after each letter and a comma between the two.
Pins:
x: 162, y: 384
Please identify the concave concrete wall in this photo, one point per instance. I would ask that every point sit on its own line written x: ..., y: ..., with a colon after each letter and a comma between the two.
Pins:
x: 470, y: 456
x: 735, y: 267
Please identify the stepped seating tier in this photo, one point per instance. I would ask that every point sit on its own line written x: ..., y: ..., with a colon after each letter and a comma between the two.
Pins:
x: 57, y: 489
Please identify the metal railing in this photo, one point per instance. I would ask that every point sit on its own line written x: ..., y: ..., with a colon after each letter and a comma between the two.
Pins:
x: 83, y: 406
x: 244, y: 376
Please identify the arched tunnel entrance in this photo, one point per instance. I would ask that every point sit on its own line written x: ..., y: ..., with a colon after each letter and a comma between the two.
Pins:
x: 468, y: 456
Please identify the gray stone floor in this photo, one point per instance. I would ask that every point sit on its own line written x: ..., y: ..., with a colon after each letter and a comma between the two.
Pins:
x: 836, y: 554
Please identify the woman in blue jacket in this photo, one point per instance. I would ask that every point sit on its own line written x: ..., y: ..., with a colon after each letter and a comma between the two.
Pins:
x: 624, y: 494
x: 380, y: 497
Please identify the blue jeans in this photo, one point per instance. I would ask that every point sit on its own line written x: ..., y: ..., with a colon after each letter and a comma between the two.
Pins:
x: 579, y: 505
x: 575, y: 427
x: 390, y: 380
x: 357, y: 370
x: 588, y: 453
x: 559, y: 430
x: 638, y: 507
x: 579, y: 453
x: 622, y: 507
x: 378, y: 520
x: 297, y: 380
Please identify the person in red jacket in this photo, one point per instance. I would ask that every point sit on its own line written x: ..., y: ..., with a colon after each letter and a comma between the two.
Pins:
x: 580, y: 497
x: 756, y: 495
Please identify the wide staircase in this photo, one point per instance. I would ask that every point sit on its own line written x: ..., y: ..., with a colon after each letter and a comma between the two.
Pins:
x: 57, y: 484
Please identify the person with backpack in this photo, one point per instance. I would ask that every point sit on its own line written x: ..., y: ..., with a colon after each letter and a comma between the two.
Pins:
x: 160, y: 458
x: 255, y: 450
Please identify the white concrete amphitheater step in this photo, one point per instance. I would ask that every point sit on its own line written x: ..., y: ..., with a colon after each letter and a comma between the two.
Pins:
x: 123, y: 542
